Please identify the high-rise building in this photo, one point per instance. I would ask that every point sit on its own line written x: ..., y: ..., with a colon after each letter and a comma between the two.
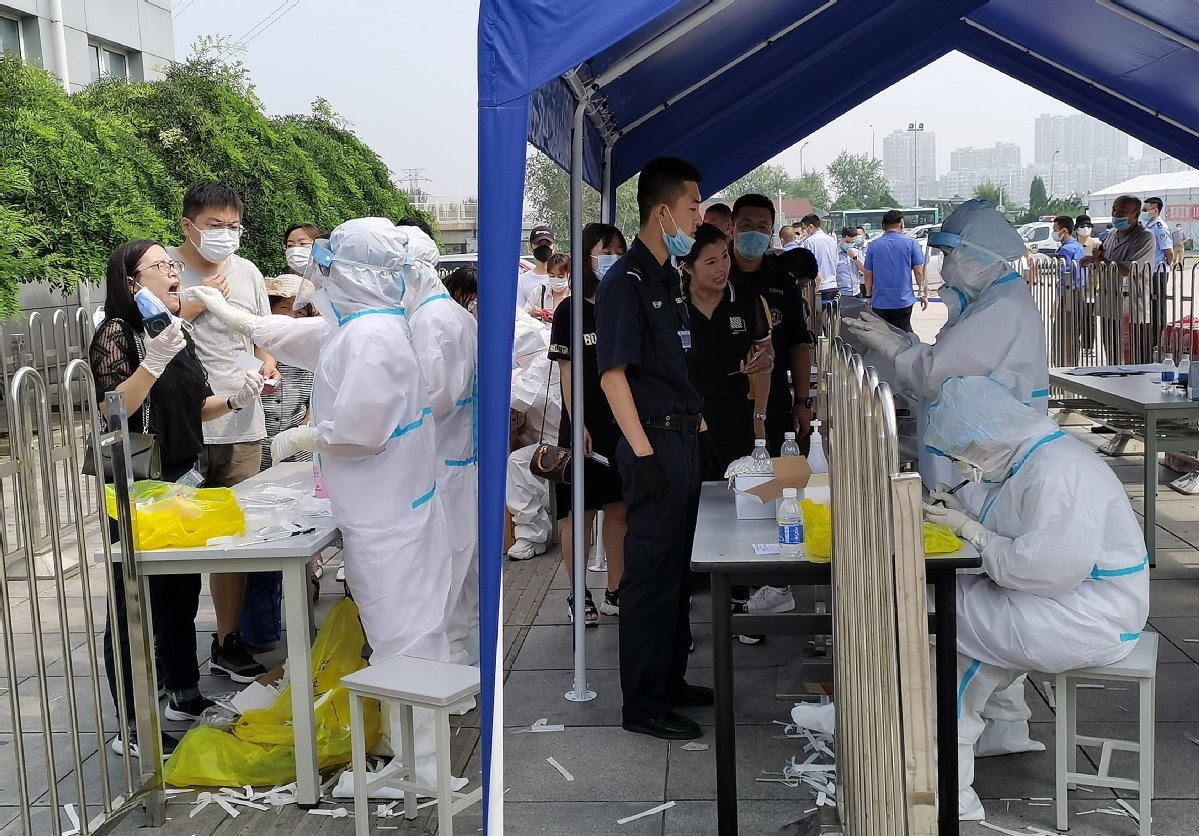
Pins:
x: 1003, y: 155
x: 910, y: 165
x: 131, y: 39
x: 1079, y: 139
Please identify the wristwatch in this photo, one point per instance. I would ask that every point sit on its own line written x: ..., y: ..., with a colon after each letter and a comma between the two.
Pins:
x: 229, y: 403
x: 759, y: 416
x: 809, y: 403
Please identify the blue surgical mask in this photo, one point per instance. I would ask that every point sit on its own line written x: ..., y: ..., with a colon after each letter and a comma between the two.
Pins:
x: 1145, y: 218
x: 1120, y: 224
x: 752, y: 245
x: 846, y: 247
x: 604, y: 262
x: 859, y: 240
x: 680, y: 243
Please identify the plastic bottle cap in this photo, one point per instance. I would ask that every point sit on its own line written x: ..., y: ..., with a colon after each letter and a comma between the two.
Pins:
x: 790, y: 493
x: 759, y: 442
x: 789, y: 436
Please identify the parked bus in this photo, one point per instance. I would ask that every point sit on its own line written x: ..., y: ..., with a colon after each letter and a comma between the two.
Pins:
x: 872, y: 219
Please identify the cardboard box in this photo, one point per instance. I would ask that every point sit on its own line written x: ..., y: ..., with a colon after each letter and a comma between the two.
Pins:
x: 757, y: 496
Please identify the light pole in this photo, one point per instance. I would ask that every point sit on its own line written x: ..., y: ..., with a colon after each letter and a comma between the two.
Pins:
x: 805, y: 145
x: 915, y: 128
x: 871, y: 127
x: 1053, y: 172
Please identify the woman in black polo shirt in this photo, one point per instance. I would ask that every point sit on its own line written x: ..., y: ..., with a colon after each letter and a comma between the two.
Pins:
x: 729, y: 327
x: 602, y: 489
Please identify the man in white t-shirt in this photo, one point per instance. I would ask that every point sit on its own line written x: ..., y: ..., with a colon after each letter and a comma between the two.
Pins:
x: 542, y: 244
x: 211, y: 224
x: 822, y: 245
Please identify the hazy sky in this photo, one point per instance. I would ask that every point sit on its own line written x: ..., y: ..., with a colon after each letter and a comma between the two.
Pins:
x: 403, y: 72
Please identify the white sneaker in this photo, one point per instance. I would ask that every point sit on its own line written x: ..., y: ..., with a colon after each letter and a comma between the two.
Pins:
x: 770, y: 600
x: 523, y: 549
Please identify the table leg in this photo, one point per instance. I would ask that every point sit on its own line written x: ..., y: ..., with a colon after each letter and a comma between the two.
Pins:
x: 299, y: 666
x: 1151, y: 486
x: 945, y: 594
x: 726, y: 731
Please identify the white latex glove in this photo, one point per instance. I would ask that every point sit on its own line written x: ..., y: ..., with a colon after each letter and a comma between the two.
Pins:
x: 874, y: 331
x: 960, y: 524
x: 289, y: 442
x: 162, y: 349
x: 235, y: 320
x: 249, y: 390
x: 942, y: 495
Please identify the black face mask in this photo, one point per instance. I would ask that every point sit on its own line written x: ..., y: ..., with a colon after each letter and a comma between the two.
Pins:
x: 542, y: 253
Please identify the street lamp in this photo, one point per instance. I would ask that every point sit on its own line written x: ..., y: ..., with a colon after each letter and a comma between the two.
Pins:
x: 801, y: 168
x: 871, y: 127
x: 1053, y: 172
x: 915, y: 128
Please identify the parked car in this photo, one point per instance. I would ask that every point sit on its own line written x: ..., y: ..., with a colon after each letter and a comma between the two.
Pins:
x: 452, y: 261
x: 1038, y: 238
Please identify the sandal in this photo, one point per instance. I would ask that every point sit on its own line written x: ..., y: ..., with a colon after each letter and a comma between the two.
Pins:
x: 590, y: 613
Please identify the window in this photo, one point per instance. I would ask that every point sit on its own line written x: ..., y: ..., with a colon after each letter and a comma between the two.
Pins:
x: 104, y: 62
x: 10, y: 36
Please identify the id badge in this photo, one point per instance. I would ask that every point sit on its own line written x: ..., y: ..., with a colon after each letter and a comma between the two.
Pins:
x: 685, y: 339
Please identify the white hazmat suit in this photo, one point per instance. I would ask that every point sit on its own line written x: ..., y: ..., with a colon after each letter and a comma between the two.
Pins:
x: 1067, y: 575
x: 446, y: 340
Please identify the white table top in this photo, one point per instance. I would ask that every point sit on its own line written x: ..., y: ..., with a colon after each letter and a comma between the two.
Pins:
x: 1137, y: 394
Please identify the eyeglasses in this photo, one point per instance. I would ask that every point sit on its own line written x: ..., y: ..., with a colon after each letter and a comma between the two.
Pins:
x: 164, y: 267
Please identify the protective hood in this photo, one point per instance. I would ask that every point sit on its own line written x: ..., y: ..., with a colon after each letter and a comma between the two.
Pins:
x: 980, y: 243
x: 977, y: 421
x: 423, y: 281
x: 367, y: 271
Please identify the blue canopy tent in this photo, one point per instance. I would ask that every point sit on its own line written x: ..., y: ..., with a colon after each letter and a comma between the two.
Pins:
x: 603, y: 88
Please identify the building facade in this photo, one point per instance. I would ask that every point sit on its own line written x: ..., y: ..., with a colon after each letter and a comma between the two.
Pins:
x: 910, y: 160
x: 1077, y: 138
x: 1003, y: 156
x: 132, y: 39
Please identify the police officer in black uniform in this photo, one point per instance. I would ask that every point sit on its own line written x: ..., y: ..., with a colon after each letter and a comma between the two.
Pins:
x: 643, y: 335
x: 777, y: 277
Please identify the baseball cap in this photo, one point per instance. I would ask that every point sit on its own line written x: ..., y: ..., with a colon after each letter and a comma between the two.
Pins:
x: 542, y: 233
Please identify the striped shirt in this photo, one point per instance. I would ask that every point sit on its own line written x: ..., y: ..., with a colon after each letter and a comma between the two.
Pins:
x: 285, y: 408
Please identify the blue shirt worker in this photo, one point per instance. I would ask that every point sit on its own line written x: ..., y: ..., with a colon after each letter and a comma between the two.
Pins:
x: 1075, y: 315
x: 892, y: 262
x: 850, y: 263
x: 643, y: 334
x: 1163, y: 262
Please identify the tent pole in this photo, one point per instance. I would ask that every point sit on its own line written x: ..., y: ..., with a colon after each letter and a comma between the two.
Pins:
x: 579, y: 692
x: 1153, y: 25
x: 698, y: 18
x: 607, y: 193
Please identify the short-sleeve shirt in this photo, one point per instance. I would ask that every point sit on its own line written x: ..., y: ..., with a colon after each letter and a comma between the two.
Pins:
x: 642, y: 324
x: 1178, y: 236
x: 822, y: 245
x: 1072, y: 252
x: 848, y: 278
x: 1164, y: 243
x: 777, y: 282
x: 719, y: 344
x: 218, y: 348
x: 1135, y: 246
x: 891, y: 259
x: 597, y: 414
x: 525, y: 283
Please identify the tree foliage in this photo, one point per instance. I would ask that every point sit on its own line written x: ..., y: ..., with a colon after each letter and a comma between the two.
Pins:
x: 858, y: 182
x: 81, y: 174
x: 547, y: 195
x: 992, y: 192
x: 770, y: 180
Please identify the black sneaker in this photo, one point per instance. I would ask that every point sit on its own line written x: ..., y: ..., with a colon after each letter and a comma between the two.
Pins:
x: 611, y: 605
x: 169, y: 743
x: 187, y: 710
x: 233, y: 660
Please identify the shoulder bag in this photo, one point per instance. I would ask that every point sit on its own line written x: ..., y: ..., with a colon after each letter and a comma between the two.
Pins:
x: 144, y: 450
x: 549, y: 460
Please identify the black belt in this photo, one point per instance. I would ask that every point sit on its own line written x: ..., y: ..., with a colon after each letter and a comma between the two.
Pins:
x: 677, y: 423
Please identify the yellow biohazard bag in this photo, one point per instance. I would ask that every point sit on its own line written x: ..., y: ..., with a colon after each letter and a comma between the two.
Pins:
x: 818, y: 534
x: 260, y: 749
x: 179, y: 516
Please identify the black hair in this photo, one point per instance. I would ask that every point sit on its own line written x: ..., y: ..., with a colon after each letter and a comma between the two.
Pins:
x: 311, y: 229
x: 705, y: 235
x: 1065, y: 222
x: 861, y: 228
x: 1128, y: 198
x: 721, y: 209
x: 1156, y: 201
x: 463, y: 283
x: 1083, y: 220
x: 753, y: 201
x: 122, y: 265
x: 308, y: 310
x: 810, y: 220
x: 849, y: 231
x: 594, y: 234
x: 663, y: 180
x: 416, y: 221
x: 210, y: 194
x: 892, y: 217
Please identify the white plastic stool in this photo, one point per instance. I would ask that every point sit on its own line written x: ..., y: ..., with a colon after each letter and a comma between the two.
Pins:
x: 407, y: 682
x: 1140, y: 667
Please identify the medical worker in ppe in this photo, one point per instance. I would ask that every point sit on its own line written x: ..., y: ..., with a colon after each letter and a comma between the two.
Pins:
x: 1066, y: 581
x: 373, y: 432
x: 446, y: 340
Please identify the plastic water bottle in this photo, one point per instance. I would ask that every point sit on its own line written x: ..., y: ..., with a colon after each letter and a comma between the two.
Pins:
x: 1193, y: 388
x: 761, y: 456
x: 1184, y: 371
x: 790, y: 519
x: 790, y: 448
x: 1168, y: 369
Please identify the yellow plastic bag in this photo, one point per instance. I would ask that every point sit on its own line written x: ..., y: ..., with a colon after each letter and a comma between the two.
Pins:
x: 179, y: 516
x: 818, y: 534
x: 260, y: 748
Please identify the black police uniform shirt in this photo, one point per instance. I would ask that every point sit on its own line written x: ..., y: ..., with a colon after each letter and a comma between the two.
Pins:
x: 719, y: 344
x: 777, y: 281
x: 642, y: 323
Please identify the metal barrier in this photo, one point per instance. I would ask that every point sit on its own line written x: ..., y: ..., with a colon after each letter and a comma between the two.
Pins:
x: 885, y: 762
x: 42, y: 447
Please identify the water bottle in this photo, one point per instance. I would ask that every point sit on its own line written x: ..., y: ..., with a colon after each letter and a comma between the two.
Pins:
x: 1168, y: 369
x: 790, y: 448
x: 761, y: 457
x: 1184, y: 371
x: 1193, y: 388
x: 790, y: 519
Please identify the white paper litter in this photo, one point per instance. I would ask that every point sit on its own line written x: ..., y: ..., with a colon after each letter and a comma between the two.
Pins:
x: 818, y: 718
x: 247, y: 362
x: 1191, y: 641
x: 1049, y: 693
x: 648, y: 812
x: 69, y: 809
x: 223, y: 802
x: 694, y: 747
x: 542, y: 725
x: 762, y: 549
x: 335, y: 813
x: 565, y: 772
x: 253, y: 697
x: 1132, y: 812
x: 1191, y: 738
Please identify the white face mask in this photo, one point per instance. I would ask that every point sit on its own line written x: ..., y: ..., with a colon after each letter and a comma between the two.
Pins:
x: 603, y: 263
x: 298, y: 258
x: 559, y: 284
x: 968, y: 471
x: 216, y: 245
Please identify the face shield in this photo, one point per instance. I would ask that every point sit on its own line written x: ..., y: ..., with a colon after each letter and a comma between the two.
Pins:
x: 363, y: 265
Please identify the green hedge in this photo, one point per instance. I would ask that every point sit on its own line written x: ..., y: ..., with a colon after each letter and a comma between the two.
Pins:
x: 81, y: 174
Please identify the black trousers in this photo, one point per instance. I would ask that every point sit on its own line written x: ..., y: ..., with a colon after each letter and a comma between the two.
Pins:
x: 655, y: 626
x: 731, y: 424
x: 778, y: 417
x: 901, y: 318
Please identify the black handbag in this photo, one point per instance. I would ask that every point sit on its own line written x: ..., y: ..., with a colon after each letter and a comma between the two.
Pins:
x: 144, y: 450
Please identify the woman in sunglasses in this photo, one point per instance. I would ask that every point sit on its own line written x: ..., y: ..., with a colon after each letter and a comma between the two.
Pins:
x: 154, y: 365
